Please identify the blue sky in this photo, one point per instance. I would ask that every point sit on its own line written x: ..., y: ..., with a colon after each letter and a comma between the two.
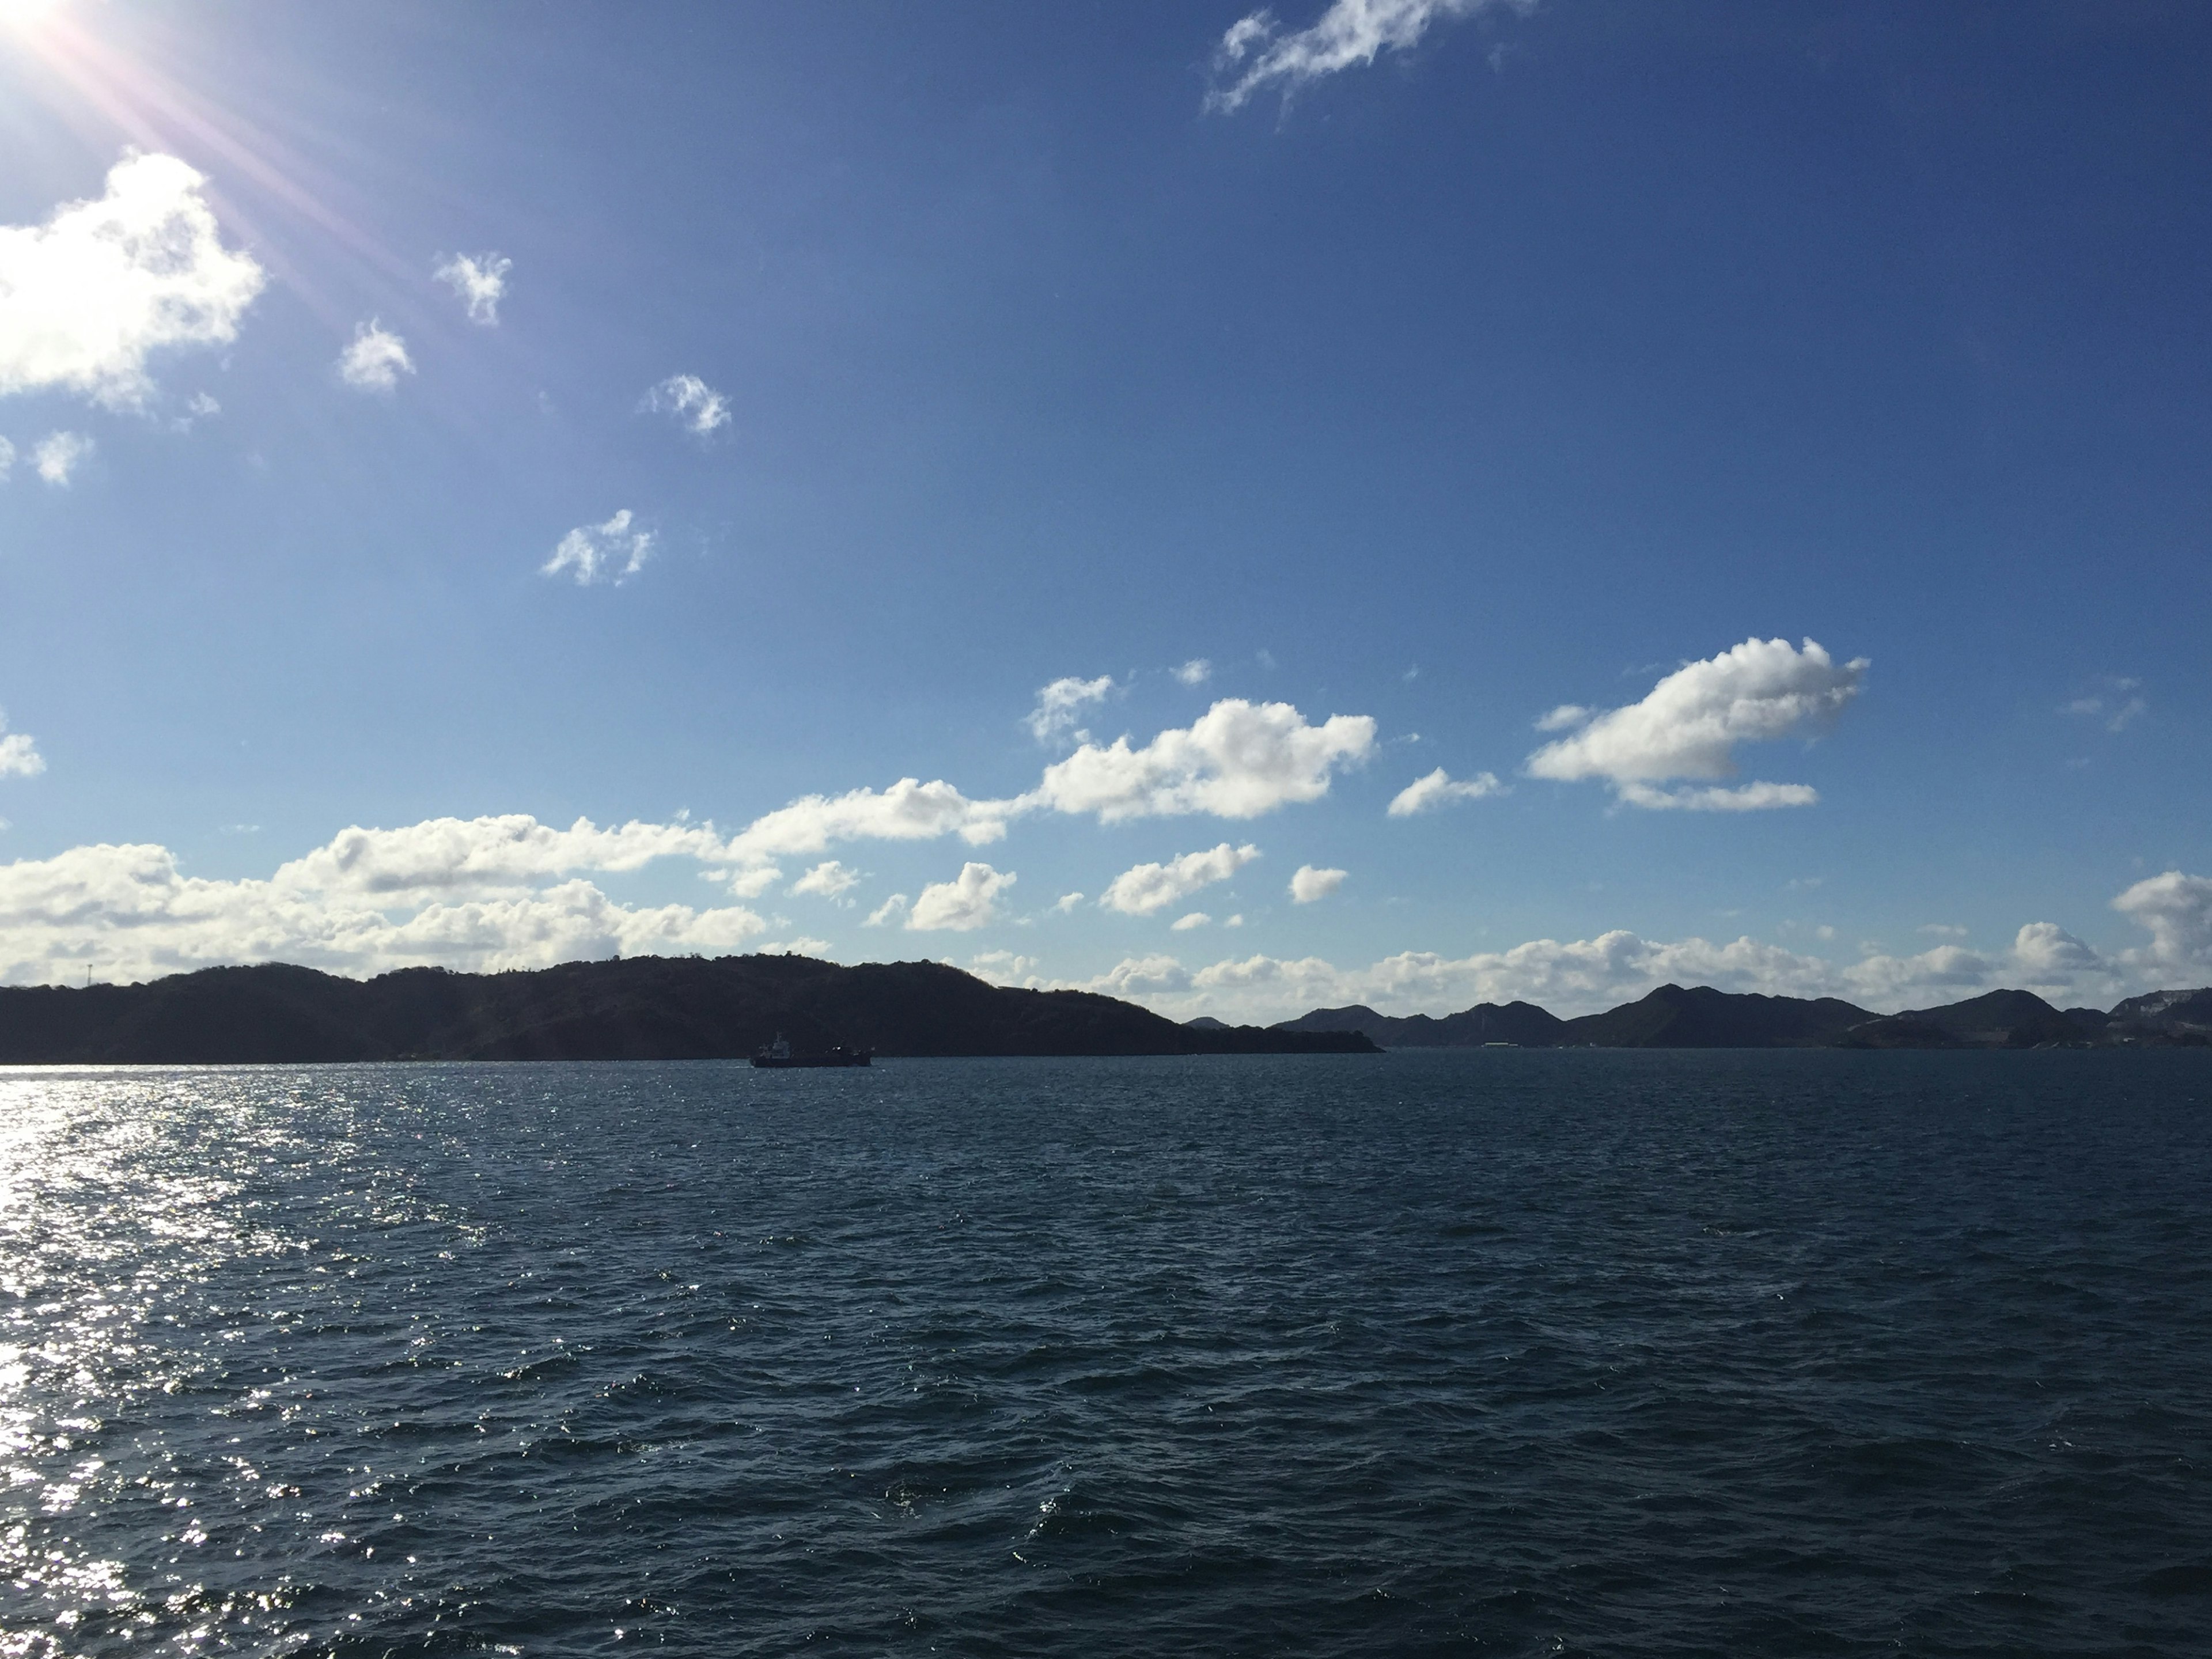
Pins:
x: 1430, y: 367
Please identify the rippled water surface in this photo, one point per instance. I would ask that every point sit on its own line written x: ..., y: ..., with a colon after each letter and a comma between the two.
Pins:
x: 1492, y: 1352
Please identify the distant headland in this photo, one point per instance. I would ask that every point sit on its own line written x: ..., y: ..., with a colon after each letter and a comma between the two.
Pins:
x: 1702, y: 1018
x: 725, y: 1008
x: 639, y: 1008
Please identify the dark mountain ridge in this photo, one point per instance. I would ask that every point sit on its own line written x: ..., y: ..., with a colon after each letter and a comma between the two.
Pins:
x: 1701, y: 1016
x: 643, y: 1008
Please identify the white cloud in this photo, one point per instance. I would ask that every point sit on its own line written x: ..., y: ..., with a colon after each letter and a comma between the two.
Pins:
x: 1005, y: 967
x: 1582, y: 977
x: 1238, y: 760
x: 2119, y: 705
x: 1689, y: 725
x: 609, y: 552
x: 7, y: 460
x: 1184, y: 924
x: 2177, y: 910
x: 19, y: 755
x: 89, y: 296
x: 1066, y: 901
x: 375, y: 360
x: 132, y: 912
x: 1254, y: 54
x: 961, y: 905
x: 827, y: 880
x: 1059, y: 705
x: 1141, y: 976
x: 907, y: 811
x: 58, y: 454
x: 1196, y: 671
x: 745, y: 883
x: 892, y: 909
x: 1565, y: 718
x: 478, y: 281
x: 695, y: 404
x: 1437, y: 788
x: 444, y: 855
x: 1309, y: 884
x: 1148, y: 887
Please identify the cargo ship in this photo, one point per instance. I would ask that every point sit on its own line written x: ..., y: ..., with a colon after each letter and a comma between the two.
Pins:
x: 779, y: 1056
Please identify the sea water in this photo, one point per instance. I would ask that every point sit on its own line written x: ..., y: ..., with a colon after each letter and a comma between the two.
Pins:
x: 1496, y: 1352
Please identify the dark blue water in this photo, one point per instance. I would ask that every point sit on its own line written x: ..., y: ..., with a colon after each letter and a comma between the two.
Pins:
x: 1492, y: 1352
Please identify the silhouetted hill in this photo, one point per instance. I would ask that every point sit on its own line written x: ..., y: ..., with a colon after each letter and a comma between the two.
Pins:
x: 1522, y: 1024
x: 1702, y: 1018
x: 645, y: 1008
x: 2000, y: 1019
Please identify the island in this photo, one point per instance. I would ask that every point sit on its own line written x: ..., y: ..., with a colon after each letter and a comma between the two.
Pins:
x: 636, y: 1008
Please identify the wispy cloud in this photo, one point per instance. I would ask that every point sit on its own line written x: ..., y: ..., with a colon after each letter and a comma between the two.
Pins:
x: 479, y: 282
x: 57, y: 455
x: 88, y: 297
x: 1690, y: 724
x: 1255, y: 53
x: 594, y: 553
x: 697, y: 405
x: 376, y: 358
x: 19, y: 755
x: 1424, y: 794
x: 1061, y: 705
x: 1196, y: 671
x: 2117, y: 703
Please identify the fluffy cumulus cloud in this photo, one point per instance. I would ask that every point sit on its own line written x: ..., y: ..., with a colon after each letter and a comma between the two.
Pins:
x: 19, y: 755
x: 479, y: 282
x: 828, y: 879
x: 1255, y: 53
x: 594, y: 553
x: 2177, y: 911
x: 1147, y: 888
x: 1439, y: 787
x: 1059, y: 706
x: 1238, y: 760
x: 908, y: 810
x: 58, y: 454
x: 1309, y: 884
x: 374, y: 359
x: 696, y: 406
x: 369, y: 902
x: 961, y: 905
x: 1690, y: 723
x: 88, y: 297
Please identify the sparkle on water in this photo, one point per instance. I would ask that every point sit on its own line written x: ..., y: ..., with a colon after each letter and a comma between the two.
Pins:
x: 1492, y: 1352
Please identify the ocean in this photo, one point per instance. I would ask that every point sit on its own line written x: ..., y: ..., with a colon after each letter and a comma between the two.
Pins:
x: 1494, y: 1353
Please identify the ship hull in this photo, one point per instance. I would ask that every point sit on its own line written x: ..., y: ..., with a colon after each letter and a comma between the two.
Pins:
x: 794, y: 1062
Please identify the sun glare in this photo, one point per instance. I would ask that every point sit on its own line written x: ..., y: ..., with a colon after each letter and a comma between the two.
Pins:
x: 26, y: 14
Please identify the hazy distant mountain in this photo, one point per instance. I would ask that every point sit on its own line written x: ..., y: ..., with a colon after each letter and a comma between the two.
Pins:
x: 647, y: 1008
x: 1702, y: 1017
x: 1522, y: 1024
